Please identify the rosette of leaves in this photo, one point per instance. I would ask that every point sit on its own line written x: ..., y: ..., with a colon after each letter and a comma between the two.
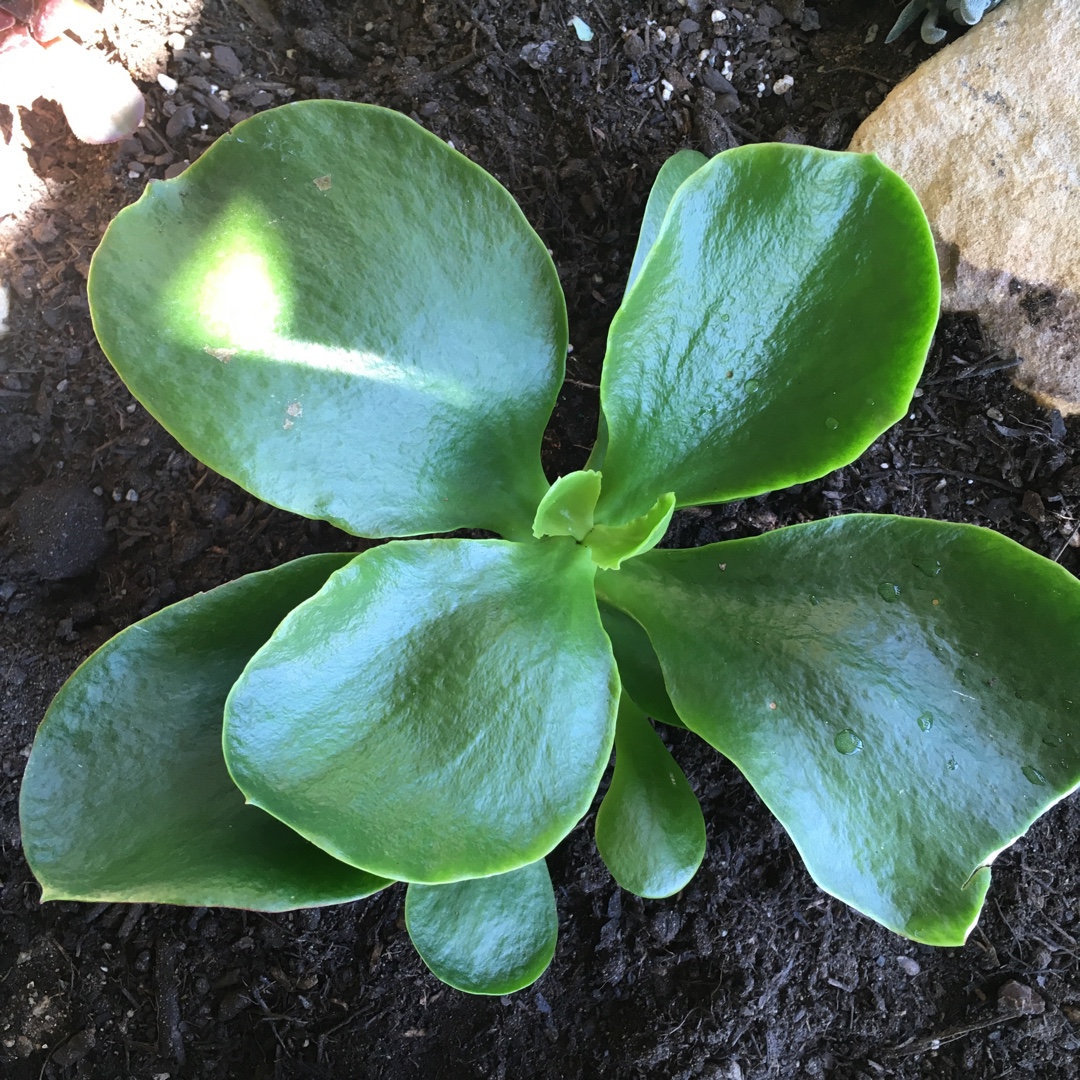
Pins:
x: 964, y: 12
x: 38, y: 58
x: 351, y: 320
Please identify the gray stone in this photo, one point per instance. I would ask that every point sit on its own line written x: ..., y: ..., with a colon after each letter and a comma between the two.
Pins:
x: 987, y: 132
x: 59, y: 527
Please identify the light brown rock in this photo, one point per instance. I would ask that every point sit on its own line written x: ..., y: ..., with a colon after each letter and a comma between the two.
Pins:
x: 987, y: 132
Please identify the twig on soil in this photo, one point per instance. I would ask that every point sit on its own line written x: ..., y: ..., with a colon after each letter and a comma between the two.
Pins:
x: 919, y: 470
x: 862, y: 71
x: 456, y: 65
x: 170, y: 1039
x: 1068, y: 543
x: 935, y: 1042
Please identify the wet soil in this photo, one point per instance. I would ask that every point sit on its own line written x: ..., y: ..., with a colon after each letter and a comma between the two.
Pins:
x: 752, y: 971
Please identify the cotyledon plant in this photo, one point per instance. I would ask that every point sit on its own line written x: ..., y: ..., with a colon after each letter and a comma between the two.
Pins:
x: 350, y: 319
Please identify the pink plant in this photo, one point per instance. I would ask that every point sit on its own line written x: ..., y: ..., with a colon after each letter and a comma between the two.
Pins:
x: 39, y: 59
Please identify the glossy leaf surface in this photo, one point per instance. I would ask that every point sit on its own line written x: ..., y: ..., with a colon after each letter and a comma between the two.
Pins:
x: 567, y: 508
x: 345, y: 316
x: 443, y: 707
x: 490, y: 935
x: 668, y: 180
x: 778, y: 325
x: 649, y: 829
x: 126, y: 795
x: 610, y: 545
x: 902, y: 693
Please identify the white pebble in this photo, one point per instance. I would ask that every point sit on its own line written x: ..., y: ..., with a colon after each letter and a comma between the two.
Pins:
x: 581, y: 28
x: 718, y: 16
x: 167, y: 83
x: 782, y: 86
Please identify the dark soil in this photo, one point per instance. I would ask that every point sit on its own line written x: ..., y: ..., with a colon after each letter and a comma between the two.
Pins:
x: 751, y: 971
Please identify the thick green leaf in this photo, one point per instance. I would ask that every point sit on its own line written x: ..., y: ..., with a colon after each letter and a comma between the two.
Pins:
x: 649, y: 829
x: 778, y: 325
x: 668, y: 180
x: 126, y: 796
x: 611, y: 545
x: 442, y: 707
x: 902, y: 693
x: 344, y: 315
x: 639, y: 669
x: 491, y: 935
x: 567, y: 508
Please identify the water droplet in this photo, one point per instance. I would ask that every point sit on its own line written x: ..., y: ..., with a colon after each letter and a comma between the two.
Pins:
x: 751, y: 385
x: 832, y: 423
x: 951, y: 764
x: 870, y: 401
x: 1034, y: 775
x: 889, y: 592
x: 925, y: 721
x: 847, y: 742
x: 1052, y: 740
x: 814, y: 600
x: 725, y: 317
x: 930, y: 567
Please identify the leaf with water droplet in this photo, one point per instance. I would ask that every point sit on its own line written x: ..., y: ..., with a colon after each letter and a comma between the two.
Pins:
x: 899, y: 827
x: 832, y: 423
x: 751, y: 385
x: 889, y: 592
x: 847, y: 742
x: 925, y: 721
x: 930, y: 567
x: 1034, y: 775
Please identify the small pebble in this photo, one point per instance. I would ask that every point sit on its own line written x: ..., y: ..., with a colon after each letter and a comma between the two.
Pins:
x: 581, y: 28
x: 167, y: 83
x: 1018, y: 998
x: 59, y: 526
x: 225, y: 59
x: 908, y: 966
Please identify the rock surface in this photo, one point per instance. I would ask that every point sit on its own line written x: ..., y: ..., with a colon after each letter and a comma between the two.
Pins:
x: 60, y: 527
x: 987, y: 132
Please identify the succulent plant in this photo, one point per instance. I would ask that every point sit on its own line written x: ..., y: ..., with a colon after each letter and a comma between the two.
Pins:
x: 965, y: 12
x: 38, y: 58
